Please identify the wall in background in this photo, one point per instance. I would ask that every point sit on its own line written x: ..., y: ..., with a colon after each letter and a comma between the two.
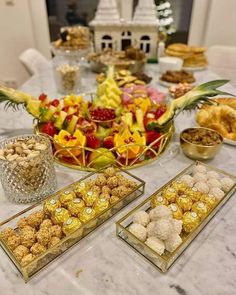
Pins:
x: 23, y: 24
x: 213, y: 22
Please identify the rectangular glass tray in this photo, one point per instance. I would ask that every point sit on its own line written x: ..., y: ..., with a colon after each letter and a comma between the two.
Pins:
x: 165, y: 261
x: 41, y: 261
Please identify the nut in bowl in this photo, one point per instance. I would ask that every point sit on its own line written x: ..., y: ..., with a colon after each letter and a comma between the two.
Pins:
x: 200, y: 143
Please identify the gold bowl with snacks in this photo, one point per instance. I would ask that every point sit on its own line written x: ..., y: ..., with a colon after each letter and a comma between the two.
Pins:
x: 200, y: 143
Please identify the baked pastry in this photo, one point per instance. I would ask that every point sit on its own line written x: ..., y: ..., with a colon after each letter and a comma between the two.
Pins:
x: 178, y: 77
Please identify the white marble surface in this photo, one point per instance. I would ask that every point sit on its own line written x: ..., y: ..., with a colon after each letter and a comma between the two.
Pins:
x: 107, y: 265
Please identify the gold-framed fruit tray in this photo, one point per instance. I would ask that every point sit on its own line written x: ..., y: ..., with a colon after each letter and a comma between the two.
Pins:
x: 67, y: 156
x: 167, y: 259
x: 39, y: 262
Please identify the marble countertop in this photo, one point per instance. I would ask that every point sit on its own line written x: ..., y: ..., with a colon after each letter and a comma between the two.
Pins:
x: 102, y: 264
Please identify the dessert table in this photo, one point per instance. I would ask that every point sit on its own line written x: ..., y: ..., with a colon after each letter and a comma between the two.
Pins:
x: 101, y: 263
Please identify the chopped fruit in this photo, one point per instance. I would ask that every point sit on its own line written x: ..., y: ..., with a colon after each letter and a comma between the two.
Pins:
x: 72, y: 121
x: 42, y: 96
x: 72, y: 99
x: 160, y: 111
x: 47, y: 113
x: 101, y: 157
x: 148, y: 118
x: 108, y: 142
x: 55, y: 102
x: 86, y: 126
x: 103, y: 132
x: 60, y: 120
x: 92, y: 141
x: 49, y: 129
x: 102, y: 114
x: 151, y: 136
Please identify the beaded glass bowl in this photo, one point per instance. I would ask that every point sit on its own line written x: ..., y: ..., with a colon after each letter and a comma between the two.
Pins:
x: 28, y: 179
x: 165, y: 261
x: 32, y: 267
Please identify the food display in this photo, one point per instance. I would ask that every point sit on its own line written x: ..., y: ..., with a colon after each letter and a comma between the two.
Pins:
x: 39, y: 234
x: 131, y: 59
x: 200, y: 143
x: 175, y: 77
x: 162, y: 226
x: 193, y: 56
x: 220, y: 117
x: 126, y: 126
x: 180, y: 89
x: 73, y: 38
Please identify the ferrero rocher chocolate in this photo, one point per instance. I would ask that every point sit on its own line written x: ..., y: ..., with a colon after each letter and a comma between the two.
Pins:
x: 66, y: 197
x: 75, y: 206
x: 176, y: 211
x: 179, y: 186
x: 200, y: 208
x: 190, y: 221
x: 101, y: 205
x: 60, y: 215
x: 81, y: 188
x: 71, y: 225
x: 51, y: 205
x: 90, y: 197
x: 210, y: 200
x: 184, y: 202
x: 87, y: 214
x: 193, y: 194
x: 169, y: 194
x: 158, y: 200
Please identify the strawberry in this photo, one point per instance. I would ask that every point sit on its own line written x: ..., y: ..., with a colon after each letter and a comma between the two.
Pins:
x: 108, y: 142
x: 160, y: 111
x: 148, y: 118
x: 152, y: 136
x: 55, y: 102
x: 42, y: 96
x: 92, y: 141
x: 49, y: 129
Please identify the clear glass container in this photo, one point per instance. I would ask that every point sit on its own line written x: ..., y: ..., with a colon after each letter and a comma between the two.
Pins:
x: 28, y: 179
x: 28, y: 270
x: 165, y: 261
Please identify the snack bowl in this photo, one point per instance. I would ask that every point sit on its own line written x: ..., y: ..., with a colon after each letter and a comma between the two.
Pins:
x: 200, y: 151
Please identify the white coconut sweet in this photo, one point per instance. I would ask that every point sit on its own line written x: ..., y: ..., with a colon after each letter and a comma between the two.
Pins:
x: 213, y: 174
x: 139, y: 231
x: 177, y: 226
x: 202, y: 187
x: 141, y: 217
x: 162, y: 229
x: 156, y: 245
x: 199, y: 177
x: 159, y: 212
x: 199, y: 169
x: 217, y: 193
x: 226, y: 183
x: 151, y: 229
x: 213, y: 182
x: 173, y: 242
x: 188, y: 180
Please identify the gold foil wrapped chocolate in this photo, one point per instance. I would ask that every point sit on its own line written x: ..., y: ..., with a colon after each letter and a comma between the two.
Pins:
x: 87, y: 214
x: 66, y: 197
x: 179, y: 186
x: 51, y: 205
x: 176, y: 211
x: 200, y: 208
x: 60, y: 215
x: 190, y: 221
x: 75, y: 206
x: 71, y: 225
x: 90, y: 197
x: 158, y: 200
x: 184, y: 202
x: 193, y: 194
x: 81, y: 188
x: 169, y: 194
x: 210, y: 200
x: 101, y: 205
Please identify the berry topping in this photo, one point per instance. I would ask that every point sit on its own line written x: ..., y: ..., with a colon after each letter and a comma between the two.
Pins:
x: 102, y: 114
x: 49, y: 129
x: 55, y: 102
x: 92, y: 141
x: 42, y: 96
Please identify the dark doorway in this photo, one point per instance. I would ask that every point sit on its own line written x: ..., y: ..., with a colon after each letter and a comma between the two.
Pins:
x: 126, y: 40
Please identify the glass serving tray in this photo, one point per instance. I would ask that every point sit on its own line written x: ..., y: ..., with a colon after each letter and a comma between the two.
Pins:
x: 165, y: 261
x: 29, y: 270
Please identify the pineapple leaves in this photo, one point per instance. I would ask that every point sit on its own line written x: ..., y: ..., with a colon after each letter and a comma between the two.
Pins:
x: 9, y: 104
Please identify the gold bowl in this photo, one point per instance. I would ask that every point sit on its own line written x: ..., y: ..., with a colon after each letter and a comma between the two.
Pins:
x: 198, y: 151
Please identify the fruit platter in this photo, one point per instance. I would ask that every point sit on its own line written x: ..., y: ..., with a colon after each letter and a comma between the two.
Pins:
x: 122, y: 126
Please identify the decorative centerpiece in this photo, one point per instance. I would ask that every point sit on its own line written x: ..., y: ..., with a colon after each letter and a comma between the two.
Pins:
x: 126, y: 127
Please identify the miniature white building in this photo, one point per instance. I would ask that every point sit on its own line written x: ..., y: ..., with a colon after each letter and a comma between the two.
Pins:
x: 115, y: 28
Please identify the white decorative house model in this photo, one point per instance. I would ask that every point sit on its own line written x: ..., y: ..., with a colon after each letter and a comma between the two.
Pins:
x: 115, y: 28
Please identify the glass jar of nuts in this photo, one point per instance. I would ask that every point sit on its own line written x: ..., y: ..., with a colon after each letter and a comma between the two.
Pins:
x: 26, y: 168
x: 67, y: 71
